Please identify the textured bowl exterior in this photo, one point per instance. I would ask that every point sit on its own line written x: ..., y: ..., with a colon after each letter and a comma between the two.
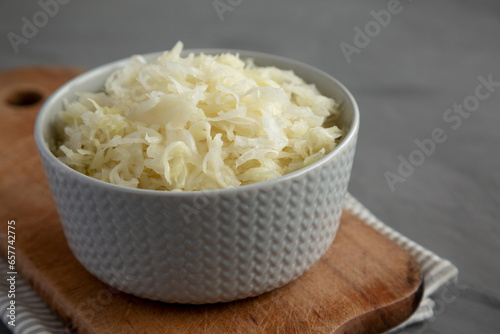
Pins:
x: 200, y: 247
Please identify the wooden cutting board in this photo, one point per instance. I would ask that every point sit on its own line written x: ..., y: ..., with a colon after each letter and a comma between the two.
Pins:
x: 364, y: 284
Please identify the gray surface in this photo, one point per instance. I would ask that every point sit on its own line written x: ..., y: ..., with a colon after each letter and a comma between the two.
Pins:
x: 424, y: 61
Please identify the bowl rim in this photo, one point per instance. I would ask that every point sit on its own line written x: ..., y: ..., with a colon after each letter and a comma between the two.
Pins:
x: 42, y: 119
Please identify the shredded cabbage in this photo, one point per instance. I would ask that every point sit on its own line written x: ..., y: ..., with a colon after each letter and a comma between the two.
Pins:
x: 195, y: 123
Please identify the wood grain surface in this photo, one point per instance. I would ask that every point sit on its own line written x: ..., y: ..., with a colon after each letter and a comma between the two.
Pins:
x: 364, y: 284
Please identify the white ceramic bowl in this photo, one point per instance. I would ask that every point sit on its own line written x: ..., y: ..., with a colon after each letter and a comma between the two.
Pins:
x: 206, y: 246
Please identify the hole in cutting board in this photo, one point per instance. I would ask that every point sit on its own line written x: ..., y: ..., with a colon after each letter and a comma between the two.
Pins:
x: 24, y: 98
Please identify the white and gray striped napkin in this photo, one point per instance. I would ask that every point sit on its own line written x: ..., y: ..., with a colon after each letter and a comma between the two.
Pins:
x: 34, y: 317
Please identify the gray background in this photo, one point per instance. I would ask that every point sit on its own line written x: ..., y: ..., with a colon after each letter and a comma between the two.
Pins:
x: 425, y: 60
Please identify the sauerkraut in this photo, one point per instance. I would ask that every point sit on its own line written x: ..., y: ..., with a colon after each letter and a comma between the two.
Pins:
x: 197, y: 122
